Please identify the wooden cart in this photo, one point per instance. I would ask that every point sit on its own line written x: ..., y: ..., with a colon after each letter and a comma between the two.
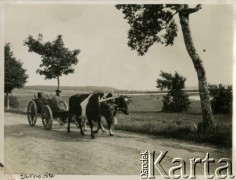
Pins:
x: 48, y: 109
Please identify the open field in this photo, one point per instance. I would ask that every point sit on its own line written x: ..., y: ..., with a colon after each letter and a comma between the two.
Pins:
x: 146, y: 117
x: 139, y: 103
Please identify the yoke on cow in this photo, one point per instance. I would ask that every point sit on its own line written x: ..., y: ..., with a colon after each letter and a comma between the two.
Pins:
x: 49, y: 107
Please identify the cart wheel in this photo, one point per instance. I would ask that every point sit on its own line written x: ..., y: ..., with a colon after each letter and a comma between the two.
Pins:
x: 32, y: 113
x: 47, y: 117
x: 63, y: 106
x: 61, y: 122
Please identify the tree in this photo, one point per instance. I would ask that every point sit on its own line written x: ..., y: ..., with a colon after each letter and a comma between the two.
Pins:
x: 56, y: 59
x: 221, y: 99
x: 176, y: 99
x: 156, y: 23
x: 15, y: 74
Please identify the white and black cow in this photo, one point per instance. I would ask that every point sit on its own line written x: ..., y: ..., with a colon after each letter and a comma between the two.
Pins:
x: 90, y: 107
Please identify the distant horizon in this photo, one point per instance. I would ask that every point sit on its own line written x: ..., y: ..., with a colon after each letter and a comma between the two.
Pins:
x: 115, y: 89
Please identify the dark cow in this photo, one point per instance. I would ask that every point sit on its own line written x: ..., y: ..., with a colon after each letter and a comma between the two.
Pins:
x: 121, y: 104
x: 88, y: 106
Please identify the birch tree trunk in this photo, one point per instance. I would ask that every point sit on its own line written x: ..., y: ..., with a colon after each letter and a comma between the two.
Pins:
x: 201, y: 74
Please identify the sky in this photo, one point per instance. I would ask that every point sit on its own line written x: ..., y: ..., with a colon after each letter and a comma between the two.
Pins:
x: 100, y: 32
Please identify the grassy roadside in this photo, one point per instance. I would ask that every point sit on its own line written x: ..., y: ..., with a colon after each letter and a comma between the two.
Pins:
x: 178, y: 125
x: 18, y: 111
x: 145, y: 117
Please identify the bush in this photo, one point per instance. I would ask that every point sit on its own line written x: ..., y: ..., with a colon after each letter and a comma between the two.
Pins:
x: 176, y: 99
x: 221, y: 99
x: 176, y: 103
x: 13, y: 101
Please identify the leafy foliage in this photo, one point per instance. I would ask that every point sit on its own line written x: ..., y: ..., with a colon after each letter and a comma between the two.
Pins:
x: 221, y: 99
x: 149, y: 24
x: 56, y: 59
x: 15, y: 74
x: 176, y: 99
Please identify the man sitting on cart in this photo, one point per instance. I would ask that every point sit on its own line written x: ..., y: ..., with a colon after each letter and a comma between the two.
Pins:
x: 57, y: 101
x: 60, y: 105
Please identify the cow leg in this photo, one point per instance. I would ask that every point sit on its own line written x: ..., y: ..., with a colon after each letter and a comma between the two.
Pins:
x: 110, y: 126
x: 103, y: 129
x: 80, y: 125
x: 99, y: 125
x: 69, y: 120
x: 85, y: 126
x: 91, y: 127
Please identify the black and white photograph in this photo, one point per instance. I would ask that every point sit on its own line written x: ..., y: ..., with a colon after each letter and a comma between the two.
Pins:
x: 117, y: 90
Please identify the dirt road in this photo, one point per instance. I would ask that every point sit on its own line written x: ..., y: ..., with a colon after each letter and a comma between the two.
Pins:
x: 35, y: 150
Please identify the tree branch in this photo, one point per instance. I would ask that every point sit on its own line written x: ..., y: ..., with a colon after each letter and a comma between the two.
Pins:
x: 183, y: 8
x: 193, y: 10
